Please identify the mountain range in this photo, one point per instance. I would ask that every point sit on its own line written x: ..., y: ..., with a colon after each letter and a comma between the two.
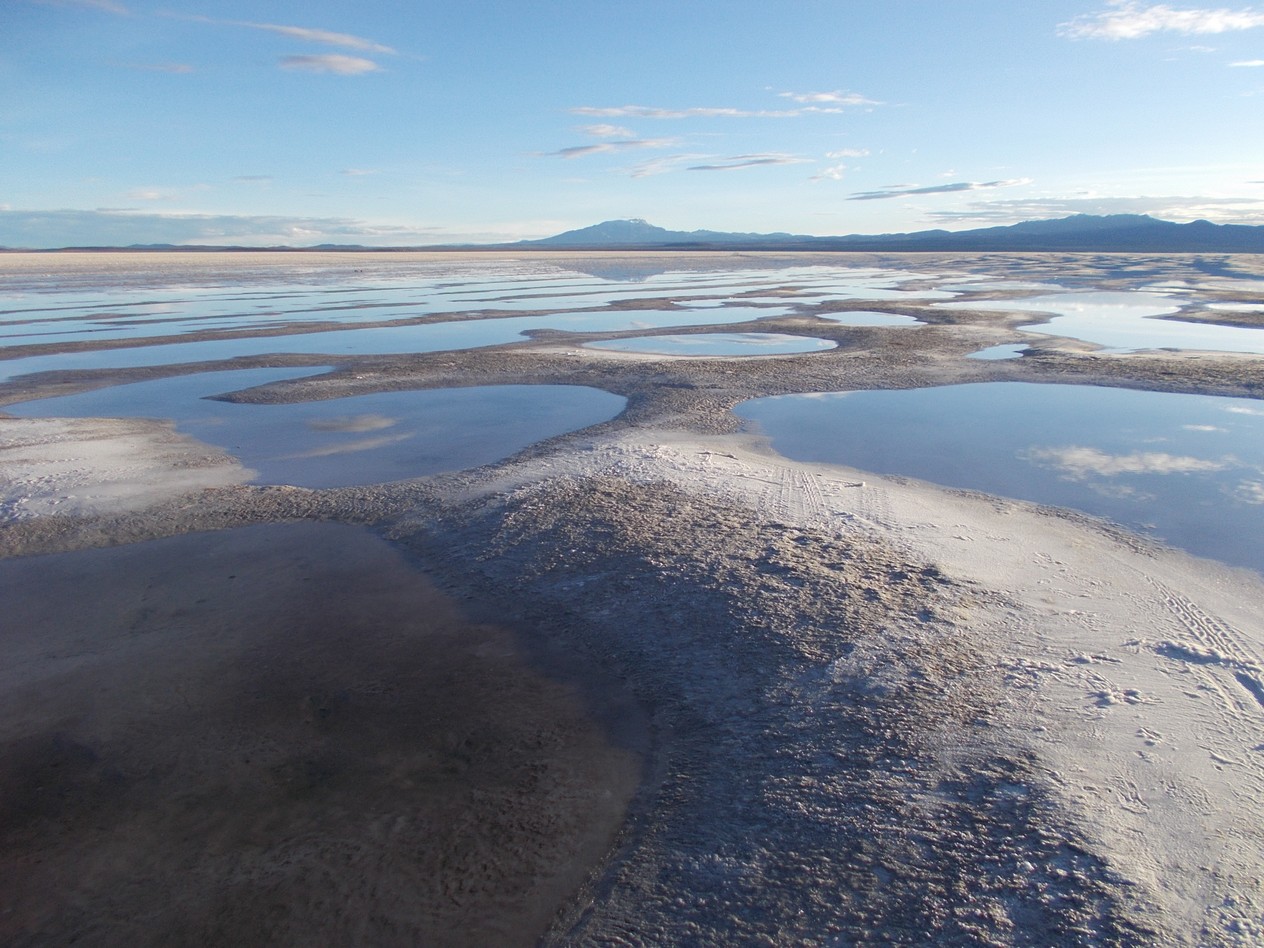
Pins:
x: 1081, y: 233
x: 1125, y: 233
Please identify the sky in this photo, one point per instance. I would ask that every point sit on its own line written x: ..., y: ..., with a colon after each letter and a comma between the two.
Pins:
x: 452, y: 121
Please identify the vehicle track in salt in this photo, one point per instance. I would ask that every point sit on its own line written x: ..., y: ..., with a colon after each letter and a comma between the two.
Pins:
x: 1216, y: 642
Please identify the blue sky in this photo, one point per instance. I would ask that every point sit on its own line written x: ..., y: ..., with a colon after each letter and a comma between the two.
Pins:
x: 130, y: 121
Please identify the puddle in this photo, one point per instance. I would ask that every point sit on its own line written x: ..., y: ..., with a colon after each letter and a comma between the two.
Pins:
x: 868, y: 318
x: 718, y: 344
x: 363, y: 439
x: 1188, y: 469
x: 1237, y: 307
x: 1123, y: 322
x: 391, y: 340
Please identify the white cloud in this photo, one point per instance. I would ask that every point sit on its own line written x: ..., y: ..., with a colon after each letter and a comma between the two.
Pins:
x: 1178, y: 208
x: 580, y: 151
x: 834, y: 173
x: 1248, y: 64
x: 303, y: 33
x: 738, y: 162
x: 326, y: 37
x: 828, y: 98
x: 664, y: 165
x: 105, y: 6
x: 1129, y: 20
x: 1250, y: 492
x: 150, y: 194
x: 335, y: 63
x: 848, y: 153
x: 649, y: 112
x: 1077, y: 462
x: 906, y: 191
x: 607, y: 131
x: 68, y: 228
x: 358, y: 172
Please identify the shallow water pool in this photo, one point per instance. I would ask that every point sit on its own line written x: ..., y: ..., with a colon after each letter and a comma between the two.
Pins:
x: 717, y: 344
x: 1123, y: 322
x: 363, y: 439
x: 1187, y: 469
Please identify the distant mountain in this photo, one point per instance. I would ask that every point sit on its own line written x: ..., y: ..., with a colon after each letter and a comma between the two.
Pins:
x: 1082, y: 233
x: 1121, y: 233
x: 636, y: 232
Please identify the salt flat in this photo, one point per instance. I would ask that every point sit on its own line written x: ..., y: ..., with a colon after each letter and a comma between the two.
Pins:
x: 857, y: 708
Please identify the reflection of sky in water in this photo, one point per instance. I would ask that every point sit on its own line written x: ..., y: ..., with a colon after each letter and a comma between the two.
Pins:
x: 1237, y: 307
x: 362, y: 439
x: 1120, y: 322
x: 866, y: 318
x: 46, y: 312
x: 390, y: 340
x: 717, y: 344
x: 999, y: 353
x: 1188, y: 468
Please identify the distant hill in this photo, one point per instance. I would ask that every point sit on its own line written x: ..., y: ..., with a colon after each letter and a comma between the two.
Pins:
x: 1122, y: 233
x: 1082, y: 233
x: 636, y: 232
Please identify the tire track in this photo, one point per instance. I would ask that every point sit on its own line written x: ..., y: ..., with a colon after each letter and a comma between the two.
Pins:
x: 1216, y: 642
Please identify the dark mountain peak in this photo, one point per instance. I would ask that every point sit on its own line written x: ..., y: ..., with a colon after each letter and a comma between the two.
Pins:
x: 633, y: 230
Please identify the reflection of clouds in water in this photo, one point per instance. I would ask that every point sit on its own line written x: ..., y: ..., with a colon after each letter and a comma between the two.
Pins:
x: 1244, y: 410
x: 1250, y: 492
x: 349, y: 447
x: 1205, y: 428
x: 1077, y: 462
x: 1123, y: 492
x: 351, y: 423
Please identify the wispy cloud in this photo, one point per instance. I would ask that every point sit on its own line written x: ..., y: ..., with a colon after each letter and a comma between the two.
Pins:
x: 335, y: 63
x: 304, y: 33
x: 664, y: 165
x: 1224, y: 209
x: 649, y: 112
x: 1129, y: 20
x: 848, y: 153
x: 581, y: 151
x: 150, y: 194
x: 105, y: 6
x: 607, y: 131
x: 121, y: 227
x: 358, y: 172
x: 899, y: 191
x: 325, y: 37
x: 254, y: 178
x: 833, y: 173
x: 749, y: 161
x: 844, y: 99
x: 1250, y: 492
x: 1077, y: 462
x: 1248, y: 64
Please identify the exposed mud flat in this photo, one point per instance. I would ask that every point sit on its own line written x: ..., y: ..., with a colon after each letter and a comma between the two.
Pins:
x: 874, y: 711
